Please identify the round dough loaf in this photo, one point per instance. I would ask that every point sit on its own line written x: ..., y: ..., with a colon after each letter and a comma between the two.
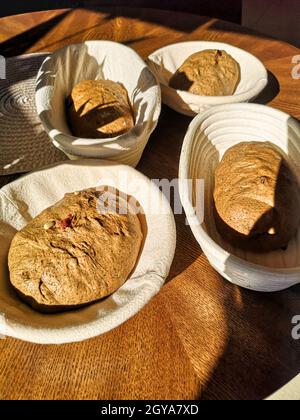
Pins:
x: 208, y: 73
x: 99, y: 109
x: 256, y: 197
x: 75, y: 252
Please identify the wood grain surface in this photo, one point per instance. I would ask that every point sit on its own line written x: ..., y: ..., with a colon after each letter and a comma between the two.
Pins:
x: 201, y: 337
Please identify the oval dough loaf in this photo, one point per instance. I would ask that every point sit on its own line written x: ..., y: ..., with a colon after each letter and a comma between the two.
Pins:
x: 75, y: 252
x: 208, y: 73
x: 256, y: 197
x: 99, y: 109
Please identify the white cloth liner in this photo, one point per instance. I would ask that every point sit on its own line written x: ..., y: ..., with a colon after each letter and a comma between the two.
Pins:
x: 165, y: 61
x: 23, y: 199
x: 95, y: 60
x: 290, y: 391
x: 208, y: 137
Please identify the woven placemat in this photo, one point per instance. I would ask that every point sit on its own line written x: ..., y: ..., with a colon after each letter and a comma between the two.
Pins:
x: 24, y: 145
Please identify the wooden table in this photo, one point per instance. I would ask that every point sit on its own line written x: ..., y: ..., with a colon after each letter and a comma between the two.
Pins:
x: 201, y: 337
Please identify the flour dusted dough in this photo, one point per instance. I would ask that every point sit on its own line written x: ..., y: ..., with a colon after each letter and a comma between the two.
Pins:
x: 75, y: 252
x: 208, y: 73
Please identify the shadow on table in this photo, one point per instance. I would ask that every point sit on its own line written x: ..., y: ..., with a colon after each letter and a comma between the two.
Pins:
x: 183, y: 22
x: 20, y: 43
x: 161, y: 161
x: 270, y: 91
x: 76, y: 38
x: 260, y: 355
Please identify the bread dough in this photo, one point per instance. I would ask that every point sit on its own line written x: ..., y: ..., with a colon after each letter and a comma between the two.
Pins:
x: 208, y: 73
x: 99, y: 109
x: 75, y: 252
x: 256, y: 197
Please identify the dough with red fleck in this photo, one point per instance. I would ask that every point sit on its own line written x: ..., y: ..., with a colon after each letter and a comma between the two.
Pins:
x: 75, y: 252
